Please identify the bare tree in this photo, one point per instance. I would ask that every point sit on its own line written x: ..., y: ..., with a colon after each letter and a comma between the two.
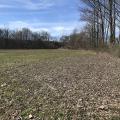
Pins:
x: 104, y: 16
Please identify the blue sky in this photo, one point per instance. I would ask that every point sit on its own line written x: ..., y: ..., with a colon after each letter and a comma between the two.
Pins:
x: 55, y: 16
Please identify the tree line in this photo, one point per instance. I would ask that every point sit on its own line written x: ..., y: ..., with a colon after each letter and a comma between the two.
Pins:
x: 102, y: 18
x: 26, y: 39
x: 76, y: 40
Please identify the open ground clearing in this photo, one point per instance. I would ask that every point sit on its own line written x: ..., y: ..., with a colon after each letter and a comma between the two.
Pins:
x: 59, y: 85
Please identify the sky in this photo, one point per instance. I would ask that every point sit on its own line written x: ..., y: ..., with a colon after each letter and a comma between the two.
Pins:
x: 57, y: 17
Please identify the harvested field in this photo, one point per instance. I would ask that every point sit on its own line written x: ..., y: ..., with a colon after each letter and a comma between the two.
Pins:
x: 59, y: 85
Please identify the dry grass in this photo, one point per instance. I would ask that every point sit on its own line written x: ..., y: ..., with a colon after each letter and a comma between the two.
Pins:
x: 70, y: 85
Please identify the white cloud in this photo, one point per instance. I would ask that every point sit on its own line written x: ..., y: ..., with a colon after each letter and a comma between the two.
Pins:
x: 27, y: 4
x: 59, y: 28
x: 41, y: 4
x: 55, y: 29
x: 17, y: 24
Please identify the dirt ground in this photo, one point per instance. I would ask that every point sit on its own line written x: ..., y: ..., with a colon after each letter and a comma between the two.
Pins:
x: 73, y: 88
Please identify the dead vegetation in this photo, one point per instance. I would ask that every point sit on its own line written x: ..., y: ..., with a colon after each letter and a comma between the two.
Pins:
x: 73, y: 88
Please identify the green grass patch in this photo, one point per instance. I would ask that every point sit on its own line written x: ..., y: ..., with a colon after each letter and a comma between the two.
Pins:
x: 16, y: 57
x: 115, y: 118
